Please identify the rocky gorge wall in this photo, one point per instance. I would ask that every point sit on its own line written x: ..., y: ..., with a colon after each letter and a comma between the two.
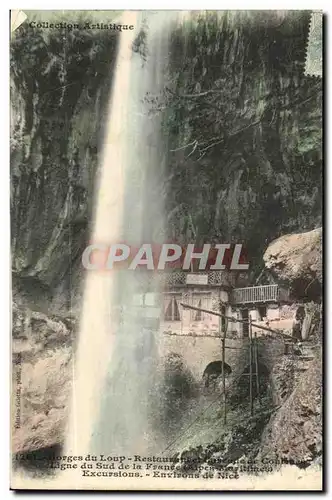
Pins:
x: 253, y: 134
x: 265, y: 162
x: 263, y: 180
x: 60, y: 83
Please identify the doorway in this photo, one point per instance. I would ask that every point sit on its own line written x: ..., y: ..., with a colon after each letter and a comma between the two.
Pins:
x: 245, y: 326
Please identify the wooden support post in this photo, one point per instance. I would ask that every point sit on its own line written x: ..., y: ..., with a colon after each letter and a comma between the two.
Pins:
x: 223, y: 342
x: 256, y: 366
x: 224, y: 380
x: 250, y: 368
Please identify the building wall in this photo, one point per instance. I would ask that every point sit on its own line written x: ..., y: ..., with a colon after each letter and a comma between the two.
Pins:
x: 278, y: 317
x: 198, y: 352
x: 196, y: 338
x: 193, y: 322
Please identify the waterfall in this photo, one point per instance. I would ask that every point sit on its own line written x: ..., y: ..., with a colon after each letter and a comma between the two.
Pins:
x: 117, y: 361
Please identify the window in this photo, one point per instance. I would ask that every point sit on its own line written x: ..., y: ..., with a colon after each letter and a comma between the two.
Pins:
x: 171, y: 308
x: 203, y: 301
x: 198, y: 316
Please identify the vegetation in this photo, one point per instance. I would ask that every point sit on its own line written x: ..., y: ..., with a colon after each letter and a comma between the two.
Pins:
x: 244, y: 126
x: 243, y: 122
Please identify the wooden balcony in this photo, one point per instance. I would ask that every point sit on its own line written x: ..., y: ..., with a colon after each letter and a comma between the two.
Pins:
x: 256, y: 294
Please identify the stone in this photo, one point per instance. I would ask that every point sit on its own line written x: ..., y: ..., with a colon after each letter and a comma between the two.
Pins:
x: 296, y: 260
x: 42, y: 375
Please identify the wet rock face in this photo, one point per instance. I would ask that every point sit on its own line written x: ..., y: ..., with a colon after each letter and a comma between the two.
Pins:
x: 42, y: 376
x: 264, y: 164
x: 258, y: 155
x: 294, y: 434
x: 60, y: 84
x: 282, y: 380
x: 296, y: 260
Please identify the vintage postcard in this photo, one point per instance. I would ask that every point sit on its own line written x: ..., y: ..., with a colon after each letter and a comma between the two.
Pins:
x: 166, y: 239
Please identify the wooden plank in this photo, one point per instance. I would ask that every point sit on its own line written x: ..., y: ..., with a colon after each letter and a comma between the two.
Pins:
x: 250, y: 368
x: 223, y: 369
x: 256, y: 365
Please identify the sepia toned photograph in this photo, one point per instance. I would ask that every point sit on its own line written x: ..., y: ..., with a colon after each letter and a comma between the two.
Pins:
x: 166, y: 210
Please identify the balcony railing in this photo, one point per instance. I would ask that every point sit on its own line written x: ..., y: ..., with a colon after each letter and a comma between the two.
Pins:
x: 254, y: 294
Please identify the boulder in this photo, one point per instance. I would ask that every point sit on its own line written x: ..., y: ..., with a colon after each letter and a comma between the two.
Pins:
x: 41, y: 379
x: 295, y: 260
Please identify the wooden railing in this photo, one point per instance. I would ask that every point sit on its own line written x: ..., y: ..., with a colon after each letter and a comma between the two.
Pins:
x: 254, y: 294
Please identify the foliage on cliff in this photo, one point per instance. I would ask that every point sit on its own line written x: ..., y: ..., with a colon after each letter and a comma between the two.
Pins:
x: 59, y: 95
x: 245, y: 129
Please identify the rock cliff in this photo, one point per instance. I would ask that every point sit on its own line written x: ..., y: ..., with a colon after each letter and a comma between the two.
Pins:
x: 296, y: 260
x: 252, y: 174
x: 41, y: 378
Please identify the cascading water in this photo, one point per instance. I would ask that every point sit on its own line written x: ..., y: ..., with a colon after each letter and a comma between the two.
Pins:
x: 117, y: 361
